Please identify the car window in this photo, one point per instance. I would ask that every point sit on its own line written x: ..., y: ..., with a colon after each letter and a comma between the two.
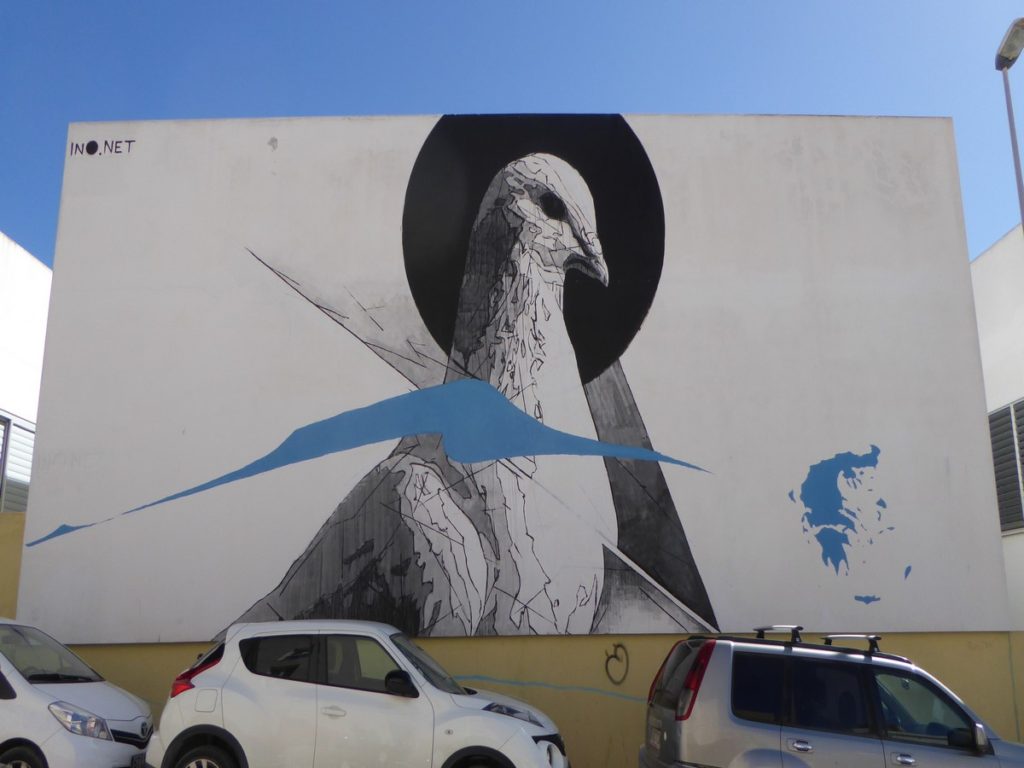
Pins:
x: 427, y: 665
x: 915, y: 710
x: 757, y: 682
x: 829, y: 696
x: 288, y: 657
x: 356, y: 662
x: 41, y: 659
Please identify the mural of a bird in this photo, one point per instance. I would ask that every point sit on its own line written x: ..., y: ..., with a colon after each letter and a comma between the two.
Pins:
x: 511, y: 546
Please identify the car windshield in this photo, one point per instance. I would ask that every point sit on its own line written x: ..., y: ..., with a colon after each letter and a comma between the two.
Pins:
x: 431, y: 670
x: 41, y: 659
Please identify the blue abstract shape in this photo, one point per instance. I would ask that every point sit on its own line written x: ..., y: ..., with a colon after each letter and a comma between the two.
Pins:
x: 882, y: 504
x: 906, y: 572
x: 826, y: 511
x: 476, y: 423
x: 867, y: 599
x: 61, y: 530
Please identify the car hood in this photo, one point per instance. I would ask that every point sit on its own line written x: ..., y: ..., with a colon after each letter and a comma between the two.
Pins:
x: 100, y: 698
x: 1010, y: 751
x: 480, y: 699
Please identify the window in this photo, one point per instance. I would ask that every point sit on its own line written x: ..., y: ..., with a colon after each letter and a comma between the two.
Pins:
x: 287, y: 657
x: 757, y: 682
x: 829, y: 696
x: 357, y: 662
x: 17, y: 441
x: 1006, y: 429
x: 426, y: 664
x: 914, y: 710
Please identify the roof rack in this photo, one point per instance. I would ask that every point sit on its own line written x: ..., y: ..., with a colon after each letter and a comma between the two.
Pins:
x: 793, y: 629
x: 872, y: 640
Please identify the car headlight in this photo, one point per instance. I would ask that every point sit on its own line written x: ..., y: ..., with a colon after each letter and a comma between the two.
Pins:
x: 519, y: 714
x: 80, y: 721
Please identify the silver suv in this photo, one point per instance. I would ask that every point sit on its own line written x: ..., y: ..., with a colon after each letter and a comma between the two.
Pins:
x: 720, y: 700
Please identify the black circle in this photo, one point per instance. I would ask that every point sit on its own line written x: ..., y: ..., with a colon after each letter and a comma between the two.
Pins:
x: 459, y: 158
x: 92, y: 147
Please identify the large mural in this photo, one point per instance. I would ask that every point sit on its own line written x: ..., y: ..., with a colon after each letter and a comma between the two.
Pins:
x: 410, y: 350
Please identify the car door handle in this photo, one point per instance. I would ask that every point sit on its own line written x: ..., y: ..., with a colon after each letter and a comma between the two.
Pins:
x: 902, y: 758
x: 333, y: 711
x: 800, y: 745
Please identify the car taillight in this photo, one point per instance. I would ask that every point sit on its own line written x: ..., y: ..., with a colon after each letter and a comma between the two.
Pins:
x: 661, y: 671
x: 694, y: 677
x: 183, y: 682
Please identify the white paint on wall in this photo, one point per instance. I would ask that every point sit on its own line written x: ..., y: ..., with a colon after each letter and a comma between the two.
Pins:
x: 814, y: 301
x: 24, y: 301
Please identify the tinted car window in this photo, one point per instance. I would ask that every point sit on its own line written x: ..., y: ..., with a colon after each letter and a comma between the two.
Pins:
x: 357, y: 662
x: 283, y: 656
x: 914, y: 710
x: 829, y: 696
x: 757, y: 682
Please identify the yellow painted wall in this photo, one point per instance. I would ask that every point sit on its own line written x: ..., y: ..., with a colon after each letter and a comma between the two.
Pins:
x: 573, y: 679
x: 570, y: 678
x: 12, y: 531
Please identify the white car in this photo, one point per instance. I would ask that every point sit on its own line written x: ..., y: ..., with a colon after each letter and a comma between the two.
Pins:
x: 312, y: 694
x: 57, y: 712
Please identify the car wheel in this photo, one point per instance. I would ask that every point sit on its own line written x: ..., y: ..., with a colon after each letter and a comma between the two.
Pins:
x: 21, y: 757
x: 206, y: 756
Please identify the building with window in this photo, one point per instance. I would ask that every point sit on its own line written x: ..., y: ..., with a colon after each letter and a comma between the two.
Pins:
x: 997, y: 276
x: 24, y: 302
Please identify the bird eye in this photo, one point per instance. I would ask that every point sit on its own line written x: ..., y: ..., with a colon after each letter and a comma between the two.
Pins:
x: 552, y: 206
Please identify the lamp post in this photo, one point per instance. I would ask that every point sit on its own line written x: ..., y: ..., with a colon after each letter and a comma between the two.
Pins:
x: 1009, y: 50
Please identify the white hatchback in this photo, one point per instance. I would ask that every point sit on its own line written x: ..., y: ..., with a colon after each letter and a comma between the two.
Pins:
x: 57, y: 712
x: 312, y: 694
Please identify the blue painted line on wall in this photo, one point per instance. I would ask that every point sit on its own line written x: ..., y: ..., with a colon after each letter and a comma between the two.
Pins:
x: 476, y: 423
x: 867, y: 599
x: 552, y: 686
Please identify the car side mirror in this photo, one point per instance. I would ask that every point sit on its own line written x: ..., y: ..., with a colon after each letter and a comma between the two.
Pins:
x: 981, y: 744
x: 6, y: 691
x: 400, y: 683
x: 970, y: 738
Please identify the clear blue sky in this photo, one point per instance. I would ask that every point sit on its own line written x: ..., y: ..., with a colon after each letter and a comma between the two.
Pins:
x: 70, y: 61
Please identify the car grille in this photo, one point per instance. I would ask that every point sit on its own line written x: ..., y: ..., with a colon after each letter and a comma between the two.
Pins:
x: 124, y: 737
x: 554, y: 738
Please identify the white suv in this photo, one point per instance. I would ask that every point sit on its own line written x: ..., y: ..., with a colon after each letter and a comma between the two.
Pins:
x: 56, y: 712
x: 731, y: 701
x: 311, y: 694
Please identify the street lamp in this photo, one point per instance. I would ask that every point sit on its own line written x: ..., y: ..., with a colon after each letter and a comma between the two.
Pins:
x: 1007, y: 54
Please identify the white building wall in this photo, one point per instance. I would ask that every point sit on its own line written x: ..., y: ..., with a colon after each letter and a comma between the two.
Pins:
x: 998, y: 277
x: 24, y: 302
x: 814, y: 310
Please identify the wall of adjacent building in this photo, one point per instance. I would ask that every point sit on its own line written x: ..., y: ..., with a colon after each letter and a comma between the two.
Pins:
x: 24, y: 303
x: 997, y: 276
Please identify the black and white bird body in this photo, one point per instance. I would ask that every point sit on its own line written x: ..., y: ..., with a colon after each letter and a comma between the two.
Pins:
x: 514, y: 546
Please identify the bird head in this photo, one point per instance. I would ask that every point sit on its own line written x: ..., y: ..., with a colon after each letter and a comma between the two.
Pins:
x: 556, y: 209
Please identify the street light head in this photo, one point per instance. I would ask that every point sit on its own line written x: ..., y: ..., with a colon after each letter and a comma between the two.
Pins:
x: 1011, y: 46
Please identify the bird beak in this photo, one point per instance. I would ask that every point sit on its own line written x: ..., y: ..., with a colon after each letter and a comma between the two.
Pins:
x: 589, y: 260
